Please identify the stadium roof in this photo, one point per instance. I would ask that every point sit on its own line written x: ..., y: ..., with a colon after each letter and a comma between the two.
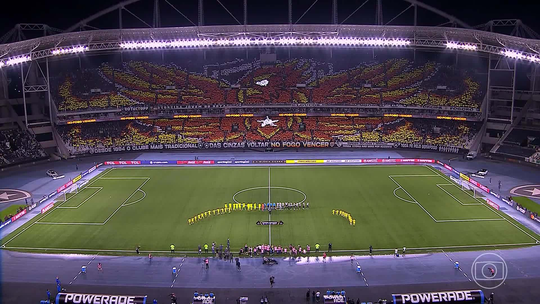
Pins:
x: 336, y: 35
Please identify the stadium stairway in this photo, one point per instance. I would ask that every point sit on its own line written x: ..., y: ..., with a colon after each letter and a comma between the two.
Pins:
x: 476, y: 143
x: 512, y: 126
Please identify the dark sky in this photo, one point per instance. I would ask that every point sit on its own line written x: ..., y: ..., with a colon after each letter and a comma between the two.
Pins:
x: 64, y: 13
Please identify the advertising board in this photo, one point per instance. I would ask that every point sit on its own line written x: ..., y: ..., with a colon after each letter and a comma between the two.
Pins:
x: 83, y: 298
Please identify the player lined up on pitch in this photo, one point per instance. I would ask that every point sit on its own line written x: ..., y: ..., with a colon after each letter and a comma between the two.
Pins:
x: 247, y: 207
x: 346, y: 215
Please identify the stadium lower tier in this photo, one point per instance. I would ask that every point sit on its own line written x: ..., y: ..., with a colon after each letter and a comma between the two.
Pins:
x: 17, y: 146
x: 292, y: 132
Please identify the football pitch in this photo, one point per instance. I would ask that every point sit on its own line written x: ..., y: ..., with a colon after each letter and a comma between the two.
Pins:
x: 393, y: 206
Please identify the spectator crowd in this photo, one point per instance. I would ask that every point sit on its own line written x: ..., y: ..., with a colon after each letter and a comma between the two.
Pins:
x: 396, y: 81
x: 17, y: 146
x: 90, y: 137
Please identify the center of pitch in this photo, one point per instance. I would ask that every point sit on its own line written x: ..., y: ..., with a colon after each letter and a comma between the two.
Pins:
x: 265, y: 188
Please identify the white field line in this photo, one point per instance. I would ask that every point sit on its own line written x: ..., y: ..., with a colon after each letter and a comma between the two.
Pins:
x: 415, y: 175
x: 471, y: 220
x: 88, y: 264
x: 127, y: 177
x: 110, y: 216
x: 272, y: 187
x: 455, y: 198
x: 132, y: 203
x: 490, y: 208
x: 434, y: 219
x: 94, y: 250
x: 452, y: 261
x: 63, y: 223
x: 280, y: 165
x: 439, y: 247
x: 269, y: 213
x: 348, y: 250
x: 405, y: 200
x: 390, y: 176
x: 50, y: 211
x: 139, y: 188
x: 77, y: 207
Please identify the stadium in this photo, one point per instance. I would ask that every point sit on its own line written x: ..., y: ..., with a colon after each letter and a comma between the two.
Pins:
x: 239, y: 152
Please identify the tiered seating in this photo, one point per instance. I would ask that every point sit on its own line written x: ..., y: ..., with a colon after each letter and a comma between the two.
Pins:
x: 520, y: 136
x: 17, y: 146
x: 84, y: 138
x: 393, y: 82
x: 520, y: 142
x: 516, y: 150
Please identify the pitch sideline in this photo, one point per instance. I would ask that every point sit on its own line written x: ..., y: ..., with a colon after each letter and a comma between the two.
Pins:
x: 391, y: 250
x: 96, y: 178
x: 490, y: 208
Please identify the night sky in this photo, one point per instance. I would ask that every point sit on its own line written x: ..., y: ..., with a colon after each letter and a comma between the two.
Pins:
x: 64, y: 13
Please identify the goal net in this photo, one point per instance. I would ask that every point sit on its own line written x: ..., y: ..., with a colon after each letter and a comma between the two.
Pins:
x: 74, y: 189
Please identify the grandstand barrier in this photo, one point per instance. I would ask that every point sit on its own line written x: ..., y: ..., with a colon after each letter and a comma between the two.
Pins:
x: 47, y: 208
x: 213, y: 115
x: 492, y: 204
x: 18, y: 215
x: 277, y: 145
x: 4, y: 224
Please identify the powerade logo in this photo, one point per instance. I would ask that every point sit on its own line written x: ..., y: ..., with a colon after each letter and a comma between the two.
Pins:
x: 466, y: 296
x: 81, y: 298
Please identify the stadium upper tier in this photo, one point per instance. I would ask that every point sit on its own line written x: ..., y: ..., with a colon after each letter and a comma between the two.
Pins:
x: 238, y: 132
x: 395, y: 81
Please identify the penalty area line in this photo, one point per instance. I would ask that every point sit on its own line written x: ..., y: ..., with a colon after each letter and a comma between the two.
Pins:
x: 110, y: 216
x: 490, y: 208
x: 96, y: 178
x: 87, y: 199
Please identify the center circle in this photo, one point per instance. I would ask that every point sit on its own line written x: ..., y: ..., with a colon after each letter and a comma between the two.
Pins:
x: 303, y: 195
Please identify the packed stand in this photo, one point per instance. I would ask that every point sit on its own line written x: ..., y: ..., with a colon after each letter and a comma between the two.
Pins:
x: 398, y: 82
x: 17, y: 146
x: 92, y: 137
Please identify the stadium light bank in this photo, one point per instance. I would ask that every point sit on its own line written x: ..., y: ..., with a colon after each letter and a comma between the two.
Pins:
x: 239, y: 42
x: 350, y: 42
x: 70, y: 50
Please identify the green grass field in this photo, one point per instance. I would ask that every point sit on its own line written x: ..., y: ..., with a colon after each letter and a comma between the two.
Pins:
x: 527, y: 203
x: 11, y: 210
x: 394, y: 206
